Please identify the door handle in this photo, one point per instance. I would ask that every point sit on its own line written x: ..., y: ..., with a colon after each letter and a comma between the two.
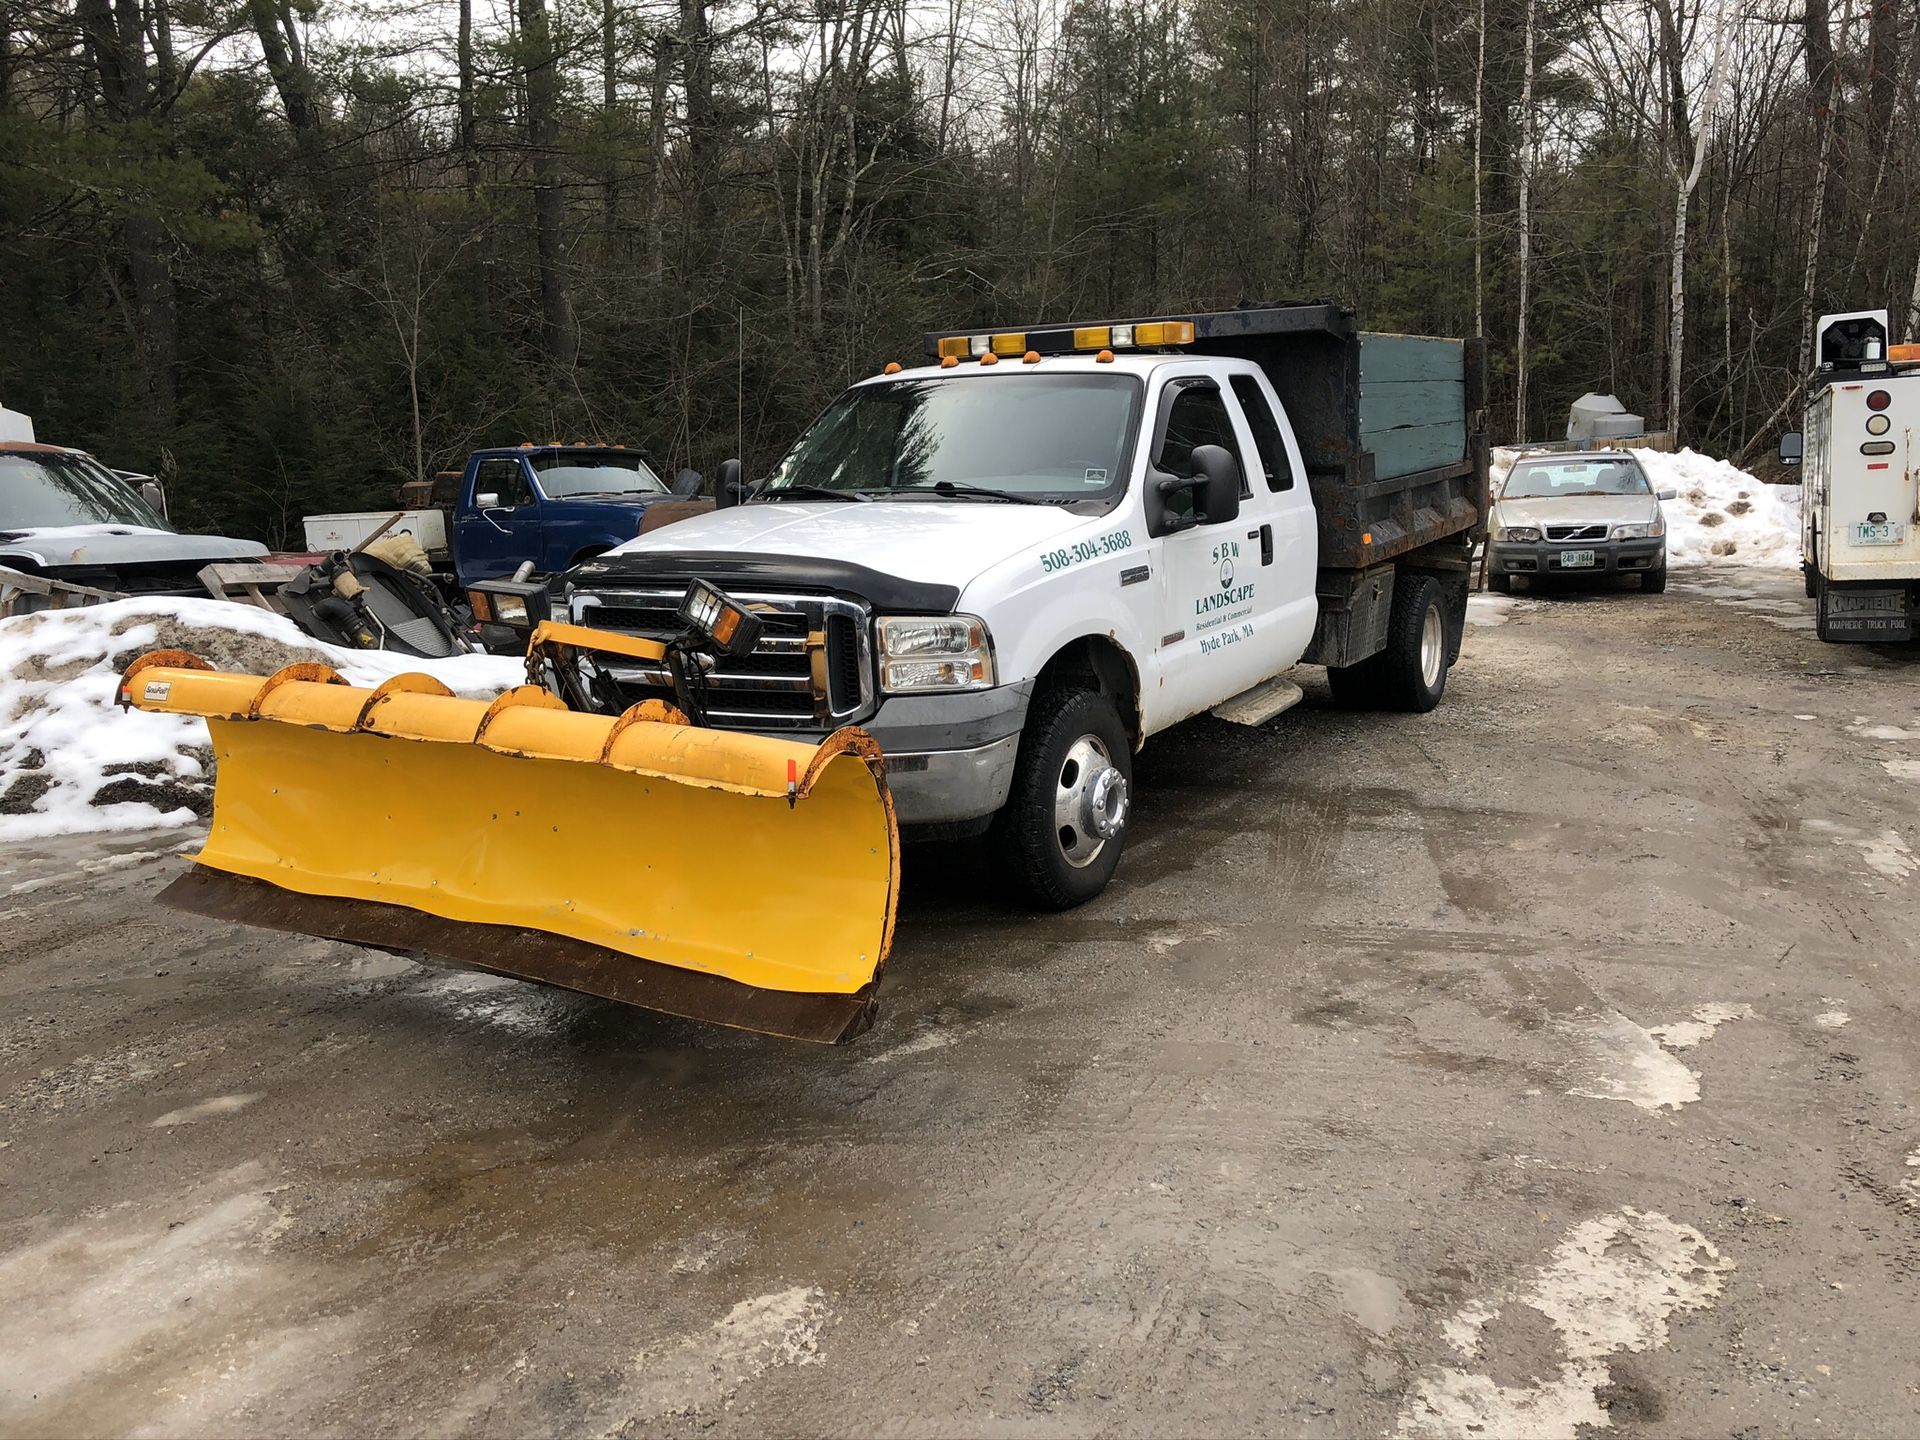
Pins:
x: 1265, y: 536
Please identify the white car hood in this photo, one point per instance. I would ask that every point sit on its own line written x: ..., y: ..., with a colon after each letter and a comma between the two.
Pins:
x: 62, y: 545
x: 941, y: 542
x: 1577, y: 510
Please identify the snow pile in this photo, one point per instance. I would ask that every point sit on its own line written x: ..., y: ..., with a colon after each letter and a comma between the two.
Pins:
x: 71, y: 762
x: 1723, y: 515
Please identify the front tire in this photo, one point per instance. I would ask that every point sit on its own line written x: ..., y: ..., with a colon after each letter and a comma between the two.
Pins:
x: 1654, y: 582
x: 1064, y: 824
x: 1500, y: 583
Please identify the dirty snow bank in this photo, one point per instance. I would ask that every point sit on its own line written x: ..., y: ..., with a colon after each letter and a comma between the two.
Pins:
x: 1722, y: 515
x: 71, y: 762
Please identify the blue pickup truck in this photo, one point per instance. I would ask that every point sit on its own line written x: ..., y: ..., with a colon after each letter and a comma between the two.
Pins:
x: 555, y: 505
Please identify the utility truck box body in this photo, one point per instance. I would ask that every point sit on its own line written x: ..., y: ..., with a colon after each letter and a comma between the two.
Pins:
x: 1860, y: 484
x: 1014, y: 565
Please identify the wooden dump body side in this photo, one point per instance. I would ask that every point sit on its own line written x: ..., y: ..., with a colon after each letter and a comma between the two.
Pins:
x: 1391, y: 427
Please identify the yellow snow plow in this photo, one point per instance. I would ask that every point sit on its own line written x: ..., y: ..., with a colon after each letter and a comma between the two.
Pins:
x: 640, y: 857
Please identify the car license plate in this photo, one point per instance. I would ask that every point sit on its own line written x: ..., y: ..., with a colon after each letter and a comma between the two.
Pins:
x: 1888, y: 532
x: 1576, y: 559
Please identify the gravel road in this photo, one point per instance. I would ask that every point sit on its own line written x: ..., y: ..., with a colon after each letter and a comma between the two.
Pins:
x: 1544, y: 1062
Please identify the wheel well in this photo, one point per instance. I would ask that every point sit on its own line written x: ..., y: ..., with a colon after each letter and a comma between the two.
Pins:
x: 1099, y: 663
x: 586, y: 553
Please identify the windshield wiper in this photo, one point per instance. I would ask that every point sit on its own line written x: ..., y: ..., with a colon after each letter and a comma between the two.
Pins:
x: 949, y: 487
x: 774, y: 492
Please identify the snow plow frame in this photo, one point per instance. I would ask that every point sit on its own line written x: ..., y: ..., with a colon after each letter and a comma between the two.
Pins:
x: 759, y: 890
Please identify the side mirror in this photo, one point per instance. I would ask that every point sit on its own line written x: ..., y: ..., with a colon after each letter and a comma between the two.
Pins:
x: 1666, y: 494
x: 1216, y: 492
x: 155, y: 497
x: 686, y: 484
x: 488, y: 501
x: 727, y: 490
x: 1792, y: 446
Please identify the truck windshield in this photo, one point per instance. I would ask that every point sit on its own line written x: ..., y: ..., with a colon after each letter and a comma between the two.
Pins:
x: 1540, y: 479
x: 571, y: 473
x: 49, y: 489
x: 1043, y: 437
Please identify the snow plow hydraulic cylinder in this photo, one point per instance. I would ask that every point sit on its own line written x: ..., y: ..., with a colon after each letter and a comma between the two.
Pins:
x: 734, y: 878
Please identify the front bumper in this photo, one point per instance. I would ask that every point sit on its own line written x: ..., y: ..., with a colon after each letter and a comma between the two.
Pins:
x: 1542, y: 557
x: 950, y: 757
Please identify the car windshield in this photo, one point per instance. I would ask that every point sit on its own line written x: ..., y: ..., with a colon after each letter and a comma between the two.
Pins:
x: 1052, y: 438
x: 1539, y: 479
x: 571, y: 472
x: 49, y: 489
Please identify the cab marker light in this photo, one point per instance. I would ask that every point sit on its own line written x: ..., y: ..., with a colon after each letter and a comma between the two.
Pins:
x: 1105, y: 357
x: 893, y: 368
x: 989, y: 359
x: 947, y: 362
x: 1032, y: 357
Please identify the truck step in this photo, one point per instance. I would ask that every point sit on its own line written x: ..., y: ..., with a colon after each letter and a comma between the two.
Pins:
x: 1260, y: 704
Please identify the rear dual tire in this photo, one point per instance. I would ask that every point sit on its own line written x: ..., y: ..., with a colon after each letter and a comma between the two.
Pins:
x: 1410, y: 674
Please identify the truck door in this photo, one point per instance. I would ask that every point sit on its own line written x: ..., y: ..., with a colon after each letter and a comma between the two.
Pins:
x: 500, y: 526
x: 1217, y: 583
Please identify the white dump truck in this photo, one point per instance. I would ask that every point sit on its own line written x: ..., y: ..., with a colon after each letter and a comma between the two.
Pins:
x: 1015, y: 564
x: 1860, y: 487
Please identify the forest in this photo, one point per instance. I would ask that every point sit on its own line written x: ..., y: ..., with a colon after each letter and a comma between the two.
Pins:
x: 290, y: 253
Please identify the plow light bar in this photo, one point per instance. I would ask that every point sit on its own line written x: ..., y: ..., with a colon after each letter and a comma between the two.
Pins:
x: 1141, y: 335
x: 728, y: 624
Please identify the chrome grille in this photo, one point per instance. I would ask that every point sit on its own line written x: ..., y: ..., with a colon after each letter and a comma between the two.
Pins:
x: 1576, y: 532
x: 811, y: 670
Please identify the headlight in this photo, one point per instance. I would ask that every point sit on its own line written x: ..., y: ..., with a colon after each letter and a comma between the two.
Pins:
x: 1651, y: 531
x: 934, y: 652
x: 1525, y: 534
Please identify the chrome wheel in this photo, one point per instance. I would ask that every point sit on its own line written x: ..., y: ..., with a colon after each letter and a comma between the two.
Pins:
x: 1089, y: 801
x: 1433, y: 646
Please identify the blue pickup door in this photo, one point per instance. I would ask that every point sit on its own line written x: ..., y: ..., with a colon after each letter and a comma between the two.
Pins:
x: 498, y: 523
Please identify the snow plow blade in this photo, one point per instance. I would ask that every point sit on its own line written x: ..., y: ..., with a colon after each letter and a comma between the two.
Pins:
x: 730, y: 878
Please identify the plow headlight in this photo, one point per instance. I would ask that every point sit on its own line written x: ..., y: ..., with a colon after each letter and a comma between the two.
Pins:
x: 934, y: 652
x: 519, y: 604
x: 728, y: 624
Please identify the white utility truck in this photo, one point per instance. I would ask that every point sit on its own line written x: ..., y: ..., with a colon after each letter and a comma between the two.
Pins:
x: 1015, y: 564
x: 1860, y: 489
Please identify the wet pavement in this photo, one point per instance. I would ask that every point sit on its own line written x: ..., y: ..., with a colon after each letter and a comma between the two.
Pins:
x: 1544, y: 1062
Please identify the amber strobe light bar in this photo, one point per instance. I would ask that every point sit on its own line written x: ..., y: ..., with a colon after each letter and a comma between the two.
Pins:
x: 1066, y: 339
